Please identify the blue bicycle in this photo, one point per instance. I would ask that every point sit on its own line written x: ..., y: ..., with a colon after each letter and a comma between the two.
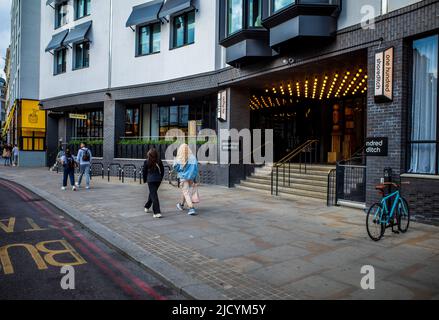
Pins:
x: 393, y: 210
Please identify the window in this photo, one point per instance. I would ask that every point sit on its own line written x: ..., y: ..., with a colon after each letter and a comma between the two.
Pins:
x: 61, y: 14
x: 280, y: 4
x: 82, y: 8
x: 183, y: 29
x: 254, y: 16
x: 148, y: 39
x: 234, y: 16
x: 92, y: 127
x: 424, y: 136
x: 60, y: 61
x: 174, y: 117
x: 132, y: 122
x: 82, y: 55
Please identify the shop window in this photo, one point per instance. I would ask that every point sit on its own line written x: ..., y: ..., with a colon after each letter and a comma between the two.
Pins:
x: 148, y: 39
x: 132, y: 122
x: 280, y: 4
x: 424, y: 135
x: 81, y: 55
x: 173, y: 117
x: 33, y: 141
x: 183, y: 29
x: 82, y: 8
x: 92, y: 127
x: 61, y: 14
x: 60, y: 61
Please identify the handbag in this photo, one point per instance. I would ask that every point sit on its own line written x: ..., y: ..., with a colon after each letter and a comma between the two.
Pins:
x: 195, y: 194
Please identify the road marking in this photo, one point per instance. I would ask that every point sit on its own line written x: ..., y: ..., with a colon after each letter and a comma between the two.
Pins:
x: 8, y: 228
x: 34, y: 226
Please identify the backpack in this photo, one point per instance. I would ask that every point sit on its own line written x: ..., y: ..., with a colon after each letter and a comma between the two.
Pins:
x: 70, y: 162
x: 86, y: 156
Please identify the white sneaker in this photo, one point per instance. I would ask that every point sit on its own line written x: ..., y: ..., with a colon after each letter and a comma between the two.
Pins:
x: 87, y: 188
x: 157, y: 216
x: 180, y: 207
x: 148, y: 210
x: 74, y: 189
x: 77, y: 185
x: 63, y: 188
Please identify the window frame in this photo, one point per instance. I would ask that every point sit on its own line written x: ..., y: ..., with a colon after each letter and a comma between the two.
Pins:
x: 273, y: 11
x: 135, y: 110
x: 58, y: 23
x: 186, y: 30
x: 74, y: 66
x: 151, y: 51
x: 411, y: 142
x: 245, y: 18
x: 87, y: 11
x: 56, y: 72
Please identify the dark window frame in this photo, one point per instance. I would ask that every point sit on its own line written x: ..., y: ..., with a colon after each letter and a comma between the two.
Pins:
x: 81, y: 129
x: 56, y: 70
x: 85, y: 13
x: 130, y: 124
x: 173, y: 44
x: 411, y: 142
x: 58, y: 19
x: 84, y: 66
x: 138, y: 47
x: 272, y: 11
x: 245, y: 17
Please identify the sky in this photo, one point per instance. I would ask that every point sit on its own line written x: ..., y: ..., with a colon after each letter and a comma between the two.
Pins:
x: 5, y: 31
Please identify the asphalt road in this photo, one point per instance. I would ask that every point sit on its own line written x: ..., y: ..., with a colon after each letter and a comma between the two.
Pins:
x: 37, y: 240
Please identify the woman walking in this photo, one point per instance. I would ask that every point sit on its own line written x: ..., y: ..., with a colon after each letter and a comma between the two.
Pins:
x: 153, y: 172
x: 69, y: 165
x: 186, y: 166
x: 7, y: 151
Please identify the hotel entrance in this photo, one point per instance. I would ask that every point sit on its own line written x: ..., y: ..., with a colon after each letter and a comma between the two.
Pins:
x: 315, y: 103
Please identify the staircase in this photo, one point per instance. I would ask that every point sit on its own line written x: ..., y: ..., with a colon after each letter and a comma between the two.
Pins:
x: 298, y: 185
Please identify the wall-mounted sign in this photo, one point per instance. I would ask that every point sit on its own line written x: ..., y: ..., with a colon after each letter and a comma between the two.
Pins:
x: 377, y: 147
x: 31, y: 116
x: 78, y: 116
x: 222, y: 105
x: 384, y: 75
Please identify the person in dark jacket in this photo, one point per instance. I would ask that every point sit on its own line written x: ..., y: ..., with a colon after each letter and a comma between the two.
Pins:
x: 153, y: 172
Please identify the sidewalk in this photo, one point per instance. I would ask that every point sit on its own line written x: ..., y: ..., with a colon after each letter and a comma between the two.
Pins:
x: 250, y: 246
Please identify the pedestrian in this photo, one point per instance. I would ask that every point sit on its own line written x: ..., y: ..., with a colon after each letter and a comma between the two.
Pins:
x: 15, y: 155
x: 69, y: 165
x: 7, y: 155
x: 84, y: 159
x: 153, y: 172
x: 186, y: 166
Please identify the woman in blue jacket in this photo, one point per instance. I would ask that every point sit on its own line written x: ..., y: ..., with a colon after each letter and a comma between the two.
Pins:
x: 186, y: 166
x: 153, y: 173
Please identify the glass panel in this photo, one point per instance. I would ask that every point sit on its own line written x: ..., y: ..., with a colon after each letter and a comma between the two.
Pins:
x: 254, y: 13
x: 173, y: 118
x: 184, y: 116
x: 87, y: 7
x: 144, y: 40
x: 86, y: 54
x: 234, y: 16
x: 156, y: 37
x: 179, y: 31
x: 191, y: 27
x: 280, y: 4
x: 80, y: 9
x: 424, y: 104
x: 79, y: 55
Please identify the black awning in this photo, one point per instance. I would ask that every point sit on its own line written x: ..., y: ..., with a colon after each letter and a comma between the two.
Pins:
x: 172, y: 7
x: 57, y: 41
x: 55, y: 2
x: 145, y: 13
x: 79, y: 33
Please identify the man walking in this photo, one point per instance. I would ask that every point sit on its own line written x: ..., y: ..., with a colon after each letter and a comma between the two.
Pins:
x: 84, y: 159
x: 15, y: 154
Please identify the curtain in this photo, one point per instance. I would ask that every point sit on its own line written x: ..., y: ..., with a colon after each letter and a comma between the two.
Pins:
x: 424, y: 105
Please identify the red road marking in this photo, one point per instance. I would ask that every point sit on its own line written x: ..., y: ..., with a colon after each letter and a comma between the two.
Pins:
x: 54, y: 218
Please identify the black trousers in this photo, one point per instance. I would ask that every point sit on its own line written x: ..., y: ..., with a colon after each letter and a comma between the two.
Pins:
x: 153, y: 198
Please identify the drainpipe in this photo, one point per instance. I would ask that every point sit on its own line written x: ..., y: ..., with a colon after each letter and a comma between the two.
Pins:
x: 110, y: 44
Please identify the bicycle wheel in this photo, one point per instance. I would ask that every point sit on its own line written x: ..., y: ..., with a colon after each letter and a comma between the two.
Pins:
x: 403, y: 215
x: 375, y: 228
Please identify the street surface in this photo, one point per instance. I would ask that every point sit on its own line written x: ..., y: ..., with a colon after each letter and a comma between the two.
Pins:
x: 37, y: 239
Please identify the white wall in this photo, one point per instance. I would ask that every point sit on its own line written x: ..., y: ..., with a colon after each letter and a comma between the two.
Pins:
x: 93, y: 78
x: 168, y: 64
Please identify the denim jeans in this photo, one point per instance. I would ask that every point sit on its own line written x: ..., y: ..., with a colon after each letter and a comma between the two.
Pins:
x: 69, y: 173
x: 84, y: 169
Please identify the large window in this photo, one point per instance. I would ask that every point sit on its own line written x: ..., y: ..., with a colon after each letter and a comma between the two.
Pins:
x: 132, y: 122
x: 254, y: 15
x: 148, y: 39
x: 61, y: 14
x: 424, y: 136
x: 183, y: 29
x: 92, y: 127
x: 280, y: 4
x: 82, y: 8
x: 243, y: 14
x: 174, y: 117
x: 234, y: 16
x: 82, y: 55
x: 60, y: 61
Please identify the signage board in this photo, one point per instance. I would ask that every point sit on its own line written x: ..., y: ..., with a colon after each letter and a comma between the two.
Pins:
x: 32, y: 117
x: 377, y: 147
x: 222, y: 105
x: 384, y: 75
x: 78, y: 116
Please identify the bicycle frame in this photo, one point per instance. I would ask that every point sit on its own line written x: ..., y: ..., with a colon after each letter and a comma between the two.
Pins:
x: 397, y: 199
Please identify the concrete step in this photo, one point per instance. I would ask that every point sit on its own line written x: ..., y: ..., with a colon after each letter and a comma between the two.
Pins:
x: 308, y: 185
x: 285, y: 196
x: 289, y: 191
x: 321, y: 178
x: 309, y: 171
x: 293, y: 166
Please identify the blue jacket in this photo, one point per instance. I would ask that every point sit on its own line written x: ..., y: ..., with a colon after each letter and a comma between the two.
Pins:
x: 189, y: 171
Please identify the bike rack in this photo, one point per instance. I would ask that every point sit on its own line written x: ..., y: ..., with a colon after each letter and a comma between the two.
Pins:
x: 129, y: 166
x: 100, y: 166
x: 119, y: 168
